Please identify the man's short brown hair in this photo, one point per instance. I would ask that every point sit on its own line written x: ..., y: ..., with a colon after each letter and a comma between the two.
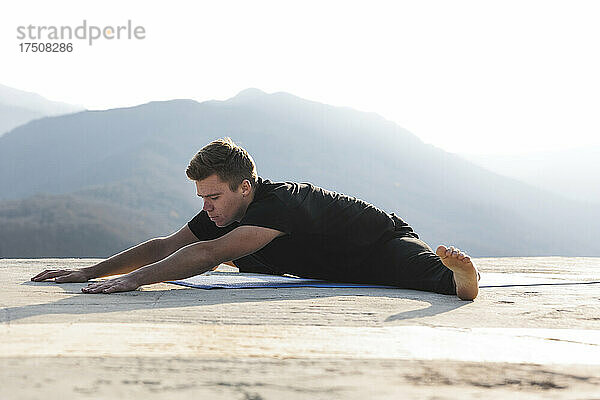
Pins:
x: 230, y: 162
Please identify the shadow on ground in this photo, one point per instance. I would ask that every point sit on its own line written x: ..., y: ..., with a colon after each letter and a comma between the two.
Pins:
x: 80, y: 303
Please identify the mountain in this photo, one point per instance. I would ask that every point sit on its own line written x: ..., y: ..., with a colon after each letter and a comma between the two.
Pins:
x: 18, y: 107
x: 135, y: 158
x: 68, y: 226
x: 572, y: 173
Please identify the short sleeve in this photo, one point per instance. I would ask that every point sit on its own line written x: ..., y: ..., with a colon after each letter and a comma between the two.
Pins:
x: 205, y: 229
x: 269, y: 212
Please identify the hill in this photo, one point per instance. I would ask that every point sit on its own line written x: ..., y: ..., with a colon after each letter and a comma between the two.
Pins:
x: 572, y: 173
x: 136, y: 157
x: 18, y: 107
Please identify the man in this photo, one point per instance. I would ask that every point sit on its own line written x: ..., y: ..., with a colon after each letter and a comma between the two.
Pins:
x: 279, y: 228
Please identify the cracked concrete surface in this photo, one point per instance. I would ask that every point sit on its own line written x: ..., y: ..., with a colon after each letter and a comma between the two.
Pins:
x: 534, y: 332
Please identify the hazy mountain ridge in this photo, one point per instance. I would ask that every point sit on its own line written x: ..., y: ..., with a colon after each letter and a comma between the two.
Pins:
x: 68, y: 226
x: 146, y: 148
x: 570, y: 173
x: 18, y: 107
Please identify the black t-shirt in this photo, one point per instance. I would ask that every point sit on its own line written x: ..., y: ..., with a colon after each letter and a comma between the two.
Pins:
x: 326, y: 232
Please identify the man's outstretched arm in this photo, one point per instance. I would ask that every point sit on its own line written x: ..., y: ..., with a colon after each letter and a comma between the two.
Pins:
x: 126, y: 261
x: 191, y: 260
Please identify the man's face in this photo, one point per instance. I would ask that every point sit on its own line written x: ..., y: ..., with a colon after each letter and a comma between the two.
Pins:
x: 223, y: 205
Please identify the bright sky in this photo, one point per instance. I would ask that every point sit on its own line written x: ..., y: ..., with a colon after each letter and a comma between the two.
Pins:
x: 467, y: 76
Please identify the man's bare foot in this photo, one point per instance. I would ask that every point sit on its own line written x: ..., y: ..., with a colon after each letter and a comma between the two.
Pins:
x: 466, y: 275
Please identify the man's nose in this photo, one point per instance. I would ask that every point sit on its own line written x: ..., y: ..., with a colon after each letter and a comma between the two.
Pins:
x: 207, y: 206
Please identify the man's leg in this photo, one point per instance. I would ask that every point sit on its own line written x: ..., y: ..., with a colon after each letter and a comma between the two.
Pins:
x: 410, y: 263
x: 465, y: 274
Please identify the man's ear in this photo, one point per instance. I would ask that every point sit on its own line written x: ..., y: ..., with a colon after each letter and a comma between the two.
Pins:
x: 246, y: 187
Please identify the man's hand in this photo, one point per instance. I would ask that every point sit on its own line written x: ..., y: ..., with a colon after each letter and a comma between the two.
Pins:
x: 123, y: 283
x: 62, y: 275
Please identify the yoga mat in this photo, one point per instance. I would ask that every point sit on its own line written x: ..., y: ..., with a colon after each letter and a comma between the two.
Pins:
x: 242, y: 280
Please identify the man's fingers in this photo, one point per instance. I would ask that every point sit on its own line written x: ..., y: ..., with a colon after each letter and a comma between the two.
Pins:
x: 92, y: 290
x: 42, y: 273
x: 110, y: 286
x: 114, y: 288
x: 72, y: 277
x: 101, y: 289
x: 97, y: 287
x: 94, y: 285
x: 48, y: 274
x: 65, y: 278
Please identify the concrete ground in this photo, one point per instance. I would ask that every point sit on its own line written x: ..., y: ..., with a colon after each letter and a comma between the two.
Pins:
x: 533, y: 332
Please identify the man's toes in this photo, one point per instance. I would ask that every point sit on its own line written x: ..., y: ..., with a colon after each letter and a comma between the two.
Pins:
x: 464, y: 257
x: 455, y: 252
x: 461, y: 255
x: 441, y: 251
